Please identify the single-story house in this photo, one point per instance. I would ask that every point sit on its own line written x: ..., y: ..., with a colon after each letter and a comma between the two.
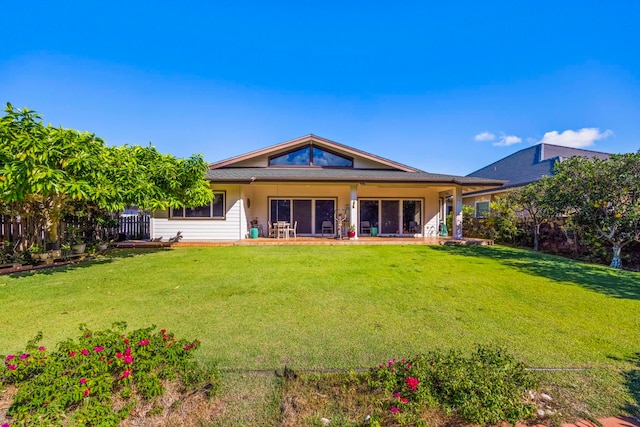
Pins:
x: 521, y: 168
x: 319, y: 186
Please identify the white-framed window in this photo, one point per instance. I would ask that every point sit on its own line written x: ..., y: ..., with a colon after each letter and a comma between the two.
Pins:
x: 482, y: 209
x: 214, y: 210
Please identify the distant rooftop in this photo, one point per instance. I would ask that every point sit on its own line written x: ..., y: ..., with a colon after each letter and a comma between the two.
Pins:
x: 531, y: 164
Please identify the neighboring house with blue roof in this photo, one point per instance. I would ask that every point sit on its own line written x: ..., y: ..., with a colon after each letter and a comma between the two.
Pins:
x: 521, y: 168
x: 311, y: 183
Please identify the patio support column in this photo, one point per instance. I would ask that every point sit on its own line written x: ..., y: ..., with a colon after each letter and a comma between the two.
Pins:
x: 457, y: 213
x: 353, y: 208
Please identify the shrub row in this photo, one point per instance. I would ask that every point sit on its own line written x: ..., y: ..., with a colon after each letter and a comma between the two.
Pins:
x: 484, y: 388
x: 98, y: 378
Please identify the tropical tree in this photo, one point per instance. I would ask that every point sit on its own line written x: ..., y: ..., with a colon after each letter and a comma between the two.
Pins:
x: 534, y: 202
x: 602, y: 196
x: 46, y: 171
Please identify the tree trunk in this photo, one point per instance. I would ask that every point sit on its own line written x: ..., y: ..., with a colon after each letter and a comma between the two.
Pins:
x: 616, y: 262
x: 536, y: 237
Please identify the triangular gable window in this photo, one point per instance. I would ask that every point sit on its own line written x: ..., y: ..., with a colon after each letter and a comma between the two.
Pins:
x: 311, y: 156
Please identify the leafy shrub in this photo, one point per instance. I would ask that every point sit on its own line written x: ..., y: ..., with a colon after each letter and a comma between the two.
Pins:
x: 485, y: 388
x: 98, y: 378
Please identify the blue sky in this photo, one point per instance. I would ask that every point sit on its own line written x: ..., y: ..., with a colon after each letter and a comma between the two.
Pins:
x: 447, y: 87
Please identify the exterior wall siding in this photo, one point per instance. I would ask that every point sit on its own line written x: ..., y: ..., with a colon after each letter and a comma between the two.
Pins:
x: 233, y: 227
x: 245, y: 203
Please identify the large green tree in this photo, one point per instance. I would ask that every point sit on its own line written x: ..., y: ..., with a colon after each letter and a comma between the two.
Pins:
x: 45, y: 171
x: 602, y: 196
x: 534, y: 202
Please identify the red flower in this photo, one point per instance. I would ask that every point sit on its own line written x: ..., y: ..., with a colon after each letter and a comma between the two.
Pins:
x: 126, y: 341
x: 72, y: 353
x: 41, y: 348
x: 86, y: 391
x: 84, y: 352
x: 24, y: 356
x: 88, y: 335
x: 128, y: 359
x: 98, y: 348
x: 394, y: 410
x: 119, y: 355
x: 12, y: 367
x: 124, y: 375
x: 412, y: 383
x: 10, y: 357
x: 83, y: 380
x: 143, y: 342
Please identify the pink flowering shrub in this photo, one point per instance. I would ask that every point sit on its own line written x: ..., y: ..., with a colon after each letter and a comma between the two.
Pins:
x: 76, y: 383
x: 485, y: 388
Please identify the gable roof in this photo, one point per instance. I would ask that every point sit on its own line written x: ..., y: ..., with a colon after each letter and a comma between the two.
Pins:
x: 306, y: 140
x: 531, y: 164
x: 239, y: 170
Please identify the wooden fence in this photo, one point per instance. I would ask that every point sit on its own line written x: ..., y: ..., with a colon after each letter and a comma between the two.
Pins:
x: 126, y: 227
x: 134, y: 227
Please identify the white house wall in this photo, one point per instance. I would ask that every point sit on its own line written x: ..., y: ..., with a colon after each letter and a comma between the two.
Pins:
x: 245, y: 203
x: 233, y: 227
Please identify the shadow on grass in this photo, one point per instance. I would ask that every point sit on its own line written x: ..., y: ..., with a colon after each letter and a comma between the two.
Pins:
x: 632, y: 382
x: 608, y: 281
x: 104, y: 258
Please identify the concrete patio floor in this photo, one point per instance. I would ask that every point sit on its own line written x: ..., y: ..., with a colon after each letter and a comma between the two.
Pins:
x: 327, y: 241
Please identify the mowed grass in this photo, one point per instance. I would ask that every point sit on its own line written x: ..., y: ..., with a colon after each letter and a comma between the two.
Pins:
x: 338, y: 306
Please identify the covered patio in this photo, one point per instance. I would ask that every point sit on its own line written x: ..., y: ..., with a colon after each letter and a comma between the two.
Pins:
x: 319, y: 188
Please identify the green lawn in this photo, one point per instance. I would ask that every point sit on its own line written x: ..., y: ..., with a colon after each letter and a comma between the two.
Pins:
x: 342, y: 306
x: 350, y: 306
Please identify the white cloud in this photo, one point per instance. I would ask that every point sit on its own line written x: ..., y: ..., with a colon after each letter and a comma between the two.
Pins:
x: 485, y: 136
x: 506, y: 140
x: 584, y: 137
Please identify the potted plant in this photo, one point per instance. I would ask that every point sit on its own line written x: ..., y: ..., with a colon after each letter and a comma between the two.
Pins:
x: 78, y: 246
x: 37, y: 254
x: 352, y: 231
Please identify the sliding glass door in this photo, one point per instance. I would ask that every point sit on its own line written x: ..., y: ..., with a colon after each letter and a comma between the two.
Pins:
x: 308, y: 213
x: 391, y: 216
x: 302, y: 215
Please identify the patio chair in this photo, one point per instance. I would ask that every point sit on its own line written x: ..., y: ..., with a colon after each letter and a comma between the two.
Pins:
x: 292, y: 230
x: 365, y: 227
x: 414, y: 227
x: 327, y: 227
x: 271, y: 230
x: 282, y: 229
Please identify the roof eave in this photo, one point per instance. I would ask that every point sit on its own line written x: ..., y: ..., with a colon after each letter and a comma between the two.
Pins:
x: 361, y: 180
x: 306, y: 138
